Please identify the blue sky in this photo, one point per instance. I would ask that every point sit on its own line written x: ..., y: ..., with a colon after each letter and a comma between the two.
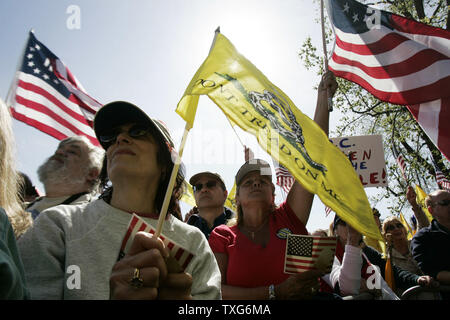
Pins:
x: 147, y: 51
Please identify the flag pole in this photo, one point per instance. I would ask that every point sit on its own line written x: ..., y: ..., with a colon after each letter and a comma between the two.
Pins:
x: 215, y: 37
x: 232, y: 127
x: 168, y: 195
x: 324, y: 46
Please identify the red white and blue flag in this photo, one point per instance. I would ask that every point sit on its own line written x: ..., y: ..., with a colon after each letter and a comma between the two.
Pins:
x: 305, y: 253
x: 176, y: 251
x: 47, y: 96
x: 441, y: 180
x: 400, y: 161
x: 284, y: 178
x: 398, y: 60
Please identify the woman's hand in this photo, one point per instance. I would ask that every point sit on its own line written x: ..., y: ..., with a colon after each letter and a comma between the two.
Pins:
x: 146, y: 264
x: 299, y: 286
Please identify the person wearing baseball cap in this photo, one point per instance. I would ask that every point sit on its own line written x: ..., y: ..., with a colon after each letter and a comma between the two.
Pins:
x: 258, y: 238
x: 137, y: 168
x: 210, y: 195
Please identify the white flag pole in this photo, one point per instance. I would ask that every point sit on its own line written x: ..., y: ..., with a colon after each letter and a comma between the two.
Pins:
x: 173, y: 176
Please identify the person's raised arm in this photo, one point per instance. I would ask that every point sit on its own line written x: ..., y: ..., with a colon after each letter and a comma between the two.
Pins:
x: 299, y: 199
x: 422, y: 220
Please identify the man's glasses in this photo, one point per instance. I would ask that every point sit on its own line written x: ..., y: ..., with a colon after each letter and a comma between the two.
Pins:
x: 443, y: 203
x: 135, y: 131
x: 199, y: 186
x: 394, y: 226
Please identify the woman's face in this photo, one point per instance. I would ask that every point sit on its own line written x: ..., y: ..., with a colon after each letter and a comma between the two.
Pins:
x: 255, y: 188
x: 133, y: 154
x: 394, y: 230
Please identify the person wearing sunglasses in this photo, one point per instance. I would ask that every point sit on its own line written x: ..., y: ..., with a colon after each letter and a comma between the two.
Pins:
x: 210, y: 195
x: 398, y: 245
x: 85, y: 241
x: 430, y: 246
x: 399, y: 250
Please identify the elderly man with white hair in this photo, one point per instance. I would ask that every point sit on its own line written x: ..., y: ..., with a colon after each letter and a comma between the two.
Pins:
x: 70, y: 175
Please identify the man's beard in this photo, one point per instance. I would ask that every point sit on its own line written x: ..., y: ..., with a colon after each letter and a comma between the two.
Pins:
x: 53, y: 172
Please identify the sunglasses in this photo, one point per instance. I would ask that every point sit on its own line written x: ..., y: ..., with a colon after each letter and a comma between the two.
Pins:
x: 135, y: 131
x: 443, y: 203
x: 199, y: 186
x: 394, y: 226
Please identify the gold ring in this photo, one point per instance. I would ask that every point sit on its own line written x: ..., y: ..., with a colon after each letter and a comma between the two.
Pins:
x: 136, y: 282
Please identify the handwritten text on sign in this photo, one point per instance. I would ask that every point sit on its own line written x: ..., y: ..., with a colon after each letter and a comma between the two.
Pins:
x: 367, y: 157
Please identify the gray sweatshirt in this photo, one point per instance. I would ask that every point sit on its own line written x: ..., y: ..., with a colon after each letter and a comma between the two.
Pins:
x: 70, y: 240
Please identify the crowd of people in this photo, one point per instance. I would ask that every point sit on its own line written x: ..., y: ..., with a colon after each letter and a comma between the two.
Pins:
x: 92, y: 192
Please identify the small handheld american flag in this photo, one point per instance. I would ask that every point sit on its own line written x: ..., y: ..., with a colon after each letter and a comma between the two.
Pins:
x: 284, y: 178
x: 305, y: 253
x: 137, y: 224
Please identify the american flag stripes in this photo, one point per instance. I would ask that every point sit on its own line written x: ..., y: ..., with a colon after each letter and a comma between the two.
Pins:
x: 434, y: 117
x: 400, y: 161
x: 398, y: 60
x: 137, y: 224
x: 284, y: 178
x: 441, y: 180
x: 47, y: 96
x: 309, y: 253
x: 327, y: 211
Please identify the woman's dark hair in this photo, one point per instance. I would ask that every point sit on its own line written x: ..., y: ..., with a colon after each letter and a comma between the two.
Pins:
x: 164, y: 159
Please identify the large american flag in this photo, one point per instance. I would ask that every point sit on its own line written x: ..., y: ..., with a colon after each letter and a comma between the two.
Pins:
x: 47, y: 96
x: 441, y: 180
x: 398, y: 60
x: 309, y: 253
x: 137, y: 224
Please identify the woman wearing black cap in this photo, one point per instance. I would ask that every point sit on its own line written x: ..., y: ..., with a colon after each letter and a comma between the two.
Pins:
x: 85, y: 241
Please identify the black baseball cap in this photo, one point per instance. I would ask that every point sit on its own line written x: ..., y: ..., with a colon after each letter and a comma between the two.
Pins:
x: 117, y: 113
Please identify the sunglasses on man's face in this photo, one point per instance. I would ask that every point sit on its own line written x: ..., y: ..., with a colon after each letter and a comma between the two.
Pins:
x: 199, y: 186
x: 135, y: 131
x: 394, y: 226
x: 443, y: 203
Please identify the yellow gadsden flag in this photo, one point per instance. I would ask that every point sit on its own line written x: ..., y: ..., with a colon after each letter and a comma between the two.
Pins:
x: 252, y: 102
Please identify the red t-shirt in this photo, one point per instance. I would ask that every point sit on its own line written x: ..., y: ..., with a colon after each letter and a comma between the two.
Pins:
x: 249, y: 264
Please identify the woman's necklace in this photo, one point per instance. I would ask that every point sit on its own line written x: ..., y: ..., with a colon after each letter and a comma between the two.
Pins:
x: 256, y: 230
